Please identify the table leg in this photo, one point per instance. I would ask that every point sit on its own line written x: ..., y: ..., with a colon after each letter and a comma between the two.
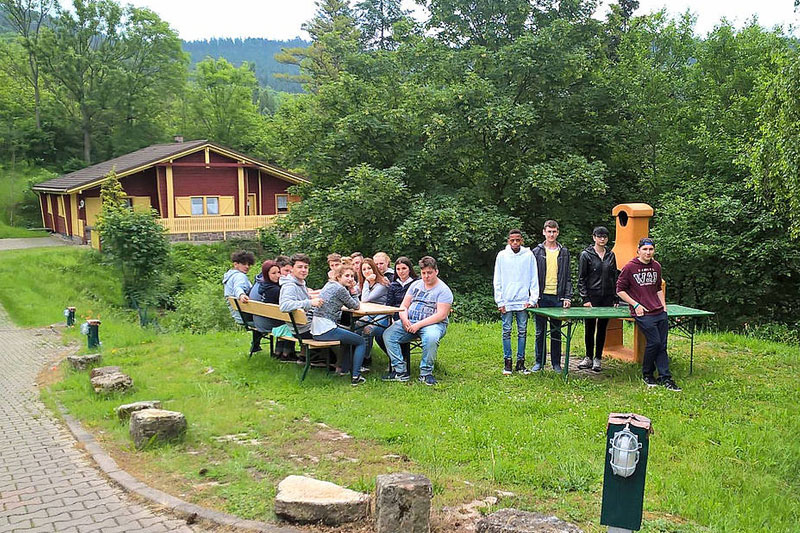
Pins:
x: 566, y: 349
x: 691, y: 347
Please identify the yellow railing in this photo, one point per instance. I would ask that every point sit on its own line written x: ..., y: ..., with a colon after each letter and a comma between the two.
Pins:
x: 217, y: 224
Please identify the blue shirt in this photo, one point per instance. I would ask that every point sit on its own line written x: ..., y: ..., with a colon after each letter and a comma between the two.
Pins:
x: 424, y: 301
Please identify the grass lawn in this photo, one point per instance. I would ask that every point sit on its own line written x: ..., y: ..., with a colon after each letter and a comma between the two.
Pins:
x: 724, y: 456
x: 14, y: 232
x: 13, y: 187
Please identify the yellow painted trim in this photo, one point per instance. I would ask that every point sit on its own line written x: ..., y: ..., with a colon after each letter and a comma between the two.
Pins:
x: 158, y: 191
x: 73, y: 207
x: 241, y: 191
x: 41, y: 209
x: 258, y: 210
x: 62, y: 208
x: 170, y: 194
x: 208, y: 156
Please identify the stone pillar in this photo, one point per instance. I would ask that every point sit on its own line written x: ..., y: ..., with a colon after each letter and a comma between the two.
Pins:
x: 403, y: 503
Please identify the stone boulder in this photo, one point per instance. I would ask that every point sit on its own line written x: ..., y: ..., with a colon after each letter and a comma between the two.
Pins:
x: 82, y: 362
x: 514, y: 521
x: 403, y: 503
x: 156, y: 425
x: 103, y: 370
x: 124, y: 411
x: 108, y: 383
x: 307, y: 500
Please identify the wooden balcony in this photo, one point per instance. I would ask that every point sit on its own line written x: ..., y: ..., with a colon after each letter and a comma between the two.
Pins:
x: 216, y: 224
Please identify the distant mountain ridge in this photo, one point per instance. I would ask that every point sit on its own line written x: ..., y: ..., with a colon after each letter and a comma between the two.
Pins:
x: 260, y: 52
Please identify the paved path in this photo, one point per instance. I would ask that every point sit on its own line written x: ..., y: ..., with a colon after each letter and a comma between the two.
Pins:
x: 46, y: 483
x: 33, y: 242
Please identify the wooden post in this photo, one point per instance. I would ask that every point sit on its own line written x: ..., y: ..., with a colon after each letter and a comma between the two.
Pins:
x: 170, y: 194
x: 241, y: 190
x: 73, y: 208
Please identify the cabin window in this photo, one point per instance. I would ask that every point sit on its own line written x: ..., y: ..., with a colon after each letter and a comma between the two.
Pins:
x: 128, y: 202
x: 212, y: 205
x: 197, y: 206
x: 282, y: 203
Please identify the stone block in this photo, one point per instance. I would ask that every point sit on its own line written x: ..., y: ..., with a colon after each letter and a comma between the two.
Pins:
x: 307, y: 500
x: 124, y: 411
x: 108, y: 383
x: 156, y: 425
x: 403, y: 503
x: 82, y: 362
x: 515, y: 521
x: 102, y: 370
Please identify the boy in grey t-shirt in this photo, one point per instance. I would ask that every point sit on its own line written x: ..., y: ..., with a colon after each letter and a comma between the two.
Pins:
x: 426, y: 307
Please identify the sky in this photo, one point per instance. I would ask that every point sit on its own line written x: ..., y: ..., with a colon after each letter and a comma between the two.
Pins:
x: 281, y: 19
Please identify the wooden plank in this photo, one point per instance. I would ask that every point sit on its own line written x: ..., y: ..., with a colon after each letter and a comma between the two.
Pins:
x: 170, y: 194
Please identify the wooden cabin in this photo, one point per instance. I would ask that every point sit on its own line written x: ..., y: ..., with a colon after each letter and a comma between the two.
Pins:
x: 200, y: 190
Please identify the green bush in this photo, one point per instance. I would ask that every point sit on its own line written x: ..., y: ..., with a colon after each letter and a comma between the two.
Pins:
x: 201, y: 308
x: 785, y: 333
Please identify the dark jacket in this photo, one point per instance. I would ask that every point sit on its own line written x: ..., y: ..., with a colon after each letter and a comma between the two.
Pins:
x: 269, y: 292
x: 597, y: 277
x: 564, y: 289
x: 397, y: 291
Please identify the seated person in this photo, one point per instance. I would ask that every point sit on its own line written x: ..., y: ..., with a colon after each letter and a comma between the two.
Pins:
x: 335, y: 295
x: 294, y: 293
x: 357, y: 258
x: 235, y: 281
x: 426, y: 307
x: 334, y: 261
x: 384, y: 262
x: 284, y: 264
x: 404, y: 275
x: 266, y: 289
x: 374, y: 288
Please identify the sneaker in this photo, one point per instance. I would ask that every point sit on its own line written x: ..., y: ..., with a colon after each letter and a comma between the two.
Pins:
x: 396, y: 376
x: 507, y: 367
x: 585, y: 363
x: 557, y: 369
x: 536, y: 367
x: 357, y: 380
x: 650, y: 381
x: 428, y: 380
x: 670, y: 385
x: 596, y: 366
x: 364, y: 369
x: 521, y: 367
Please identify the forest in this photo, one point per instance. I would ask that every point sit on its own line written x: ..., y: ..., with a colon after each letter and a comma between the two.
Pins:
x: 438, y: 136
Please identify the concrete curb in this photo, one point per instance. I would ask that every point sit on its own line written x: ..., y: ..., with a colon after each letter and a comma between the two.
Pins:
x: 182, y: 509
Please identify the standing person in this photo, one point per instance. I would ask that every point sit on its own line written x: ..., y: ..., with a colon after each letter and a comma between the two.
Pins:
x: 639, y: 285
x: 294, y: 293
x: 235, y: 281
x: 516, y: 288
x: 335, y: 295
x: 426, y: 307
x: 597, y: 282
x: 555, y: 286
x: 383, y: 262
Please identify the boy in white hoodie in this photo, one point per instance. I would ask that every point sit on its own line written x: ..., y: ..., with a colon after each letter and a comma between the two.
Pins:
x: 516, y: 288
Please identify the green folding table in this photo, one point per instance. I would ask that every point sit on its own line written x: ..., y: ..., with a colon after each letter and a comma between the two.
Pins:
x: 681, y: 318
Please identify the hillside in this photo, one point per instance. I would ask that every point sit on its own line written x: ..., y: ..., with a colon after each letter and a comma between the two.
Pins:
x: 260, y: 52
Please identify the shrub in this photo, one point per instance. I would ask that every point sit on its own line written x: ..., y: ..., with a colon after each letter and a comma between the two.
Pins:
x: 201, y: 308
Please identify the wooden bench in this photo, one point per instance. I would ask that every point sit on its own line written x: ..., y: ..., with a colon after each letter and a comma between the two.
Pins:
x: 296, y: 318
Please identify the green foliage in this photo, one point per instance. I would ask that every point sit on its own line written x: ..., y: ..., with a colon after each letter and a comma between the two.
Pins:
x: 200, y: 308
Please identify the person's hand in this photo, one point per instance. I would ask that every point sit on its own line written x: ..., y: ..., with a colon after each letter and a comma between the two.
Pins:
x: 406, y: 323
x: 528, y: 305
x: 313, y: 293
x: 244, y: 298
x: 535, y: 305
x: 587, y: 304
x: 616, y: 304
x: 412, y: 328
x: 567, y: 304
x: 317, y: 302
x: 371, y: 278
x: 640, y: 310
x: 502, y: 309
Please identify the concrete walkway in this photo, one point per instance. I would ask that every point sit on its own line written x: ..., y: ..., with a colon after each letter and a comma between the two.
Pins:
x: 46, y: 483
x: 32, y: 242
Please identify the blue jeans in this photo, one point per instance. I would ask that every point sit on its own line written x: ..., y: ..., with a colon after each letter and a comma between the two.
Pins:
x: 370, y: 331
x: 346, y: 336
x: 655, y: 329
x: 548, y: 300
x: 522, y: 333
x: 430, y: 337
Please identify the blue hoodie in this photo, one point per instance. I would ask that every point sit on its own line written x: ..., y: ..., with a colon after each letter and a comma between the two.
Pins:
x: 235, y: 283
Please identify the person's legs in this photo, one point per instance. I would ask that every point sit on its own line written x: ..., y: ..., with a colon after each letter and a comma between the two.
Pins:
x: 430, y: 336
x: 661, y: 357
x: 650, y: 331
x: 507, y: 318
x: 346, y: 337
x: 522, y: 333
x: 590, y: 326
x: 392, y: 337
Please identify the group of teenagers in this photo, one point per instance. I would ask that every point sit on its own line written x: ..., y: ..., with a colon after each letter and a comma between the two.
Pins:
x: 541, y: 277
x: 424, y: 304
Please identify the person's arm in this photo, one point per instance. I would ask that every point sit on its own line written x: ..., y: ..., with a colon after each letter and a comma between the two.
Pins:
x: 442, y: 310
x: 583, y: 278
x: 497, y: 281
x: 661, y: 299
x: 347, y: 300
x: 404, y: 310
x: 533, y: 289
x: 288, y: 303
x: 638, y: 308
x: 241, y: 287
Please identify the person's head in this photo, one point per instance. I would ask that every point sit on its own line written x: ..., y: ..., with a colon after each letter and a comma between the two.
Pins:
x: 550, y: 231
x: 242, y: 260
x: 300, y: 264
x: 600, y: 235
x: 285, y: 264
x: 646, y: 249
x: 382, y: 260
x: 344, y: 275
x: 347, y: 261
x: 515, y: 240
x: 357, y: 258
x: 404, y: 268
x: 270, y: 271
x: 334, y: 260
x: 429, y: 270
x: 368, y: 268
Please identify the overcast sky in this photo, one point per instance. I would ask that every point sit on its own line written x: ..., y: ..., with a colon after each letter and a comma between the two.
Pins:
x: 281, y: 19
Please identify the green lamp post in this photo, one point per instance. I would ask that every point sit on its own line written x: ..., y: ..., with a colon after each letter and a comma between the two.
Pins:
x: 92, y: 331
x: 625, y: 467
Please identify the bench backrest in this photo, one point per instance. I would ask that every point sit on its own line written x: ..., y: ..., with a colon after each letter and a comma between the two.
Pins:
x: 268, y: 311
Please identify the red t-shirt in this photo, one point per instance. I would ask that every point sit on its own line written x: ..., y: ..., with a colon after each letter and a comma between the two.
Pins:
x: 642, y: 282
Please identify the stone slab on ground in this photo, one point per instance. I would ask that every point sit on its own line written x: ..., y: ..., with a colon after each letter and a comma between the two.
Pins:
x: 82, y: 362
x: 515, y: 521
x: 156, y: 425
x: 124, y: 411
x: 306, y: 500
x: 108, y: 383
x: 403, y: 503
x: 104, y: 370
